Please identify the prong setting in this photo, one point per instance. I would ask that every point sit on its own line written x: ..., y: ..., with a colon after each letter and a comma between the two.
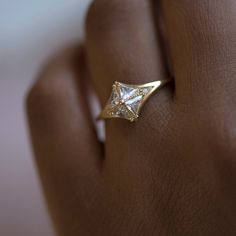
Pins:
x: 126, y: 100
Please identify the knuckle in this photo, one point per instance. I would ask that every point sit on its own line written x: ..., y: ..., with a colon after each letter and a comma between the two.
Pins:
x: 52, y: 83
x: 34, y: 96
x: 35, y: 105
x: 42, y: 105
x: 97, y: 17
x: 37, y: 98
x: 100, y: 15
x: 54, y: 89
x: 43, y: 94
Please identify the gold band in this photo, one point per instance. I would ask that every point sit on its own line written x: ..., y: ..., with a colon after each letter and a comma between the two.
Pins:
x: 126, y: 101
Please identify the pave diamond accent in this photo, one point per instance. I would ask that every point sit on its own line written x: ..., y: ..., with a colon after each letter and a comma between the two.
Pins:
x: 126, y: 100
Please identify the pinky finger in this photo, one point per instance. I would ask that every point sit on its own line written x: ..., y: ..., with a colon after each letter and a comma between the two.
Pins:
x: 68, y: 153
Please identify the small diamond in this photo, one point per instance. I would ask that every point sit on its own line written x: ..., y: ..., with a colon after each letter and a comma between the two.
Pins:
x: 114, y: 99
x: 146, y: 90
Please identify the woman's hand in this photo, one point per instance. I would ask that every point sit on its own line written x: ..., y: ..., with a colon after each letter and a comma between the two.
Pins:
x: 174, y: 171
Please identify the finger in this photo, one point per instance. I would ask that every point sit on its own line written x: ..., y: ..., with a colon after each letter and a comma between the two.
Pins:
x: 201, y: 36
x: 67, y: 151
x: 122, y: 44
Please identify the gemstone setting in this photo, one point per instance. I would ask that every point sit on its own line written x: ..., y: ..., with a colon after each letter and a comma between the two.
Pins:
x: 127, y: 100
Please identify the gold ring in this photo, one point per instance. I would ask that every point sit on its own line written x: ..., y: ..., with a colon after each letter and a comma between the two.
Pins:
x: 126, y: 101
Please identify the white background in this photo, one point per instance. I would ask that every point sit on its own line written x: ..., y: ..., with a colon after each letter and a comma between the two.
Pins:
x: 30, y: 31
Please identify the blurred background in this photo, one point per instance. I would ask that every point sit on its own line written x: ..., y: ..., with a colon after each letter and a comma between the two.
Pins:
x: 30, y: 32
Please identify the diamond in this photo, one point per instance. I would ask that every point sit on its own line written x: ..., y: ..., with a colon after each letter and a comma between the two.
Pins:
x: 126, y: 92
x: 146, y: 90
x: 134, y: 103
x: 126, y: 100
x: 114, y: 98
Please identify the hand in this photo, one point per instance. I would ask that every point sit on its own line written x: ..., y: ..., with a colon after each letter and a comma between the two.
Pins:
x: 174, y: 171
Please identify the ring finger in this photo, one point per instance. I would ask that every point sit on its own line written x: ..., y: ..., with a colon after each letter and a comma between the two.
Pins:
x: 123, y: 45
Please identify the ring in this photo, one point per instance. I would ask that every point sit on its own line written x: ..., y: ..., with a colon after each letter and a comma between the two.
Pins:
x: 126, y: 101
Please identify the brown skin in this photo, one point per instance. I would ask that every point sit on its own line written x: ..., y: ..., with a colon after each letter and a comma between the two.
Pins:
x: 174, y: 171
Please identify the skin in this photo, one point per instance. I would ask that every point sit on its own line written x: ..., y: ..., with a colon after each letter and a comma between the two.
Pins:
x: 174, y: 171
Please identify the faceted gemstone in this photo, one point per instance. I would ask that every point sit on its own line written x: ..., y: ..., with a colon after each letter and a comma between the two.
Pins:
x: 125, y: 101
x: 146, y: 90
x: 123, y: 112
x: 134, y: 103
x: 126, y: 92
x: 114, y: 99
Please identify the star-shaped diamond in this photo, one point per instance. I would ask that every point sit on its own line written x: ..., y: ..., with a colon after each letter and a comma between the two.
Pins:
x: 126, y: 100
